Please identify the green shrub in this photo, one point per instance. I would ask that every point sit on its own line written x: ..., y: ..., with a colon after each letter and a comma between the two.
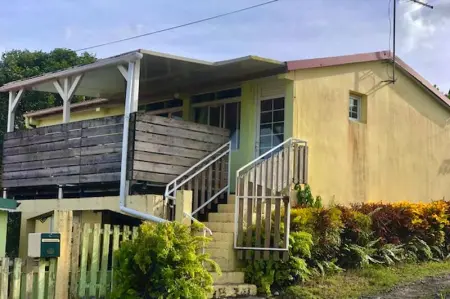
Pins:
x: 305, y: 197
x: 163, y: 262
x: 270, y: 275
x: 357, y: 227
x: 325, y: 226
x: 355, y: 256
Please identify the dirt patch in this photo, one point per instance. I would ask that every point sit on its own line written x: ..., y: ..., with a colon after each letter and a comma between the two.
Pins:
x: 430, y: 287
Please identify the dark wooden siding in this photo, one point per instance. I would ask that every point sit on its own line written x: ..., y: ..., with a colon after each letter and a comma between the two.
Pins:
x: 79, y: 152
x: 90, y: 151
x: 164, y: 148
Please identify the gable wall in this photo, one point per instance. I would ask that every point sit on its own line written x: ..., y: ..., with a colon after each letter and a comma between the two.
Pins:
x: 401, y: 151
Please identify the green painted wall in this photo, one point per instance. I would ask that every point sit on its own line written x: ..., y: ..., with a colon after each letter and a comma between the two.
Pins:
x: 246, y: 151
x: 289, y: 109
x: 3, y: 226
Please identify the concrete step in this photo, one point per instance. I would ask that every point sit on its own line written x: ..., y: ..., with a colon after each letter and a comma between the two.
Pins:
x: 222, y: 227
x: 226, y: 208
x: 233, y: 290
x: 232, y: 277
x: 219, y: 236
x: 228, y: 253
x: 221, y: 217
x: 226, y: 264
x: 231, y: 199
x: 229, y: 244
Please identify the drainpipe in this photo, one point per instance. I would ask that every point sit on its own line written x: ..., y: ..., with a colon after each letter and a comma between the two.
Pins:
x: 129, y: 99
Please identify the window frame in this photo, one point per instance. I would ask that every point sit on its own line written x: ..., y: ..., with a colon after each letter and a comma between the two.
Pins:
x: 222, y: 103
x: 352, y: 97
x: 258, y: 122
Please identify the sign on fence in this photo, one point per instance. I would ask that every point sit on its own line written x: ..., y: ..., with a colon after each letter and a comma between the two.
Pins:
x: 91, y: 264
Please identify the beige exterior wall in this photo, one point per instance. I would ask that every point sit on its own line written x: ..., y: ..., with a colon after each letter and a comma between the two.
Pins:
x: 401, y: 151
x: 75, y: 116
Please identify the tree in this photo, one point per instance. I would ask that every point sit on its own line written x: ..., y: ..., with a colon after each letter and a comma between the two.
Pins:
x: 22, y: 64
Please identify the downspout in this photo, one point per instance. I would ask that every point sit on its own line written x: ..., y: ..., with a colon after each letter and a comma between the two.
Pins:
x: 129, y: 99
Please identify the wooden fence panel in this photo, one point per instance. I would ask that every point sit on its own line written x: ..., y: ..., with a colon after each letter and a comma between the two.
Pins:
x: 104, y: 260
x: 164, y: 148
x: 63, y: 154
x: 93, y: 283
x: 41, y: 280
x: 84, y: 260
x: 4, y: 272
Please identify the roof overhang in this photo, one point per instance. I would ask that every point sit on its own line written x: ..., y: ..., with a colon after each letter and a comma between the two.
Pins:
x: 160, y: 73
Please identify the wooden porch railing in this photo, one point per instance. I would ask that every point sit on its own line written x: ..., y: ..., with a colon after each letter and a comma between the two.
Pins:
x: 262, y: 199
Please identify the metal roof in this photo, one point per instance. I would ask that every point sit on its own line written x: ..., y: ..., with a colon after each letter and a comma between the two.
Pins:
x: 160, y: 73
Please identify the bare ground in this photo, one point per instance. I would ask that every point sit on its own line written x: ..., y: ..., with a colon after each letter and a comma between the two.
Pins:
x: 428, y: 288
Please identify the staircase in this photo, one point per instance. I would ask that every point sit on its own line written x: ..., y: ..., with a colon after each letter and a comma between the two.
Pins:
x: 261, y: 203
x: 221, y: 249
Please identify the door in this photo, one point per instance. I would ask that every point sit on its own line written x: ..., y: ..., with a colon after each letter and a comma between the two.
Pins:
x: 270, y: 131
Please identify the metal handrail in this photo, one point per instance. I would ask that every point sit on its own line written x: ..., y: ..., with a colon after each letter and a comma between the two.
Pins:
x: 211, y: 158
x: 259, y: 158
x: 195, y: 220
x: 168, y: 191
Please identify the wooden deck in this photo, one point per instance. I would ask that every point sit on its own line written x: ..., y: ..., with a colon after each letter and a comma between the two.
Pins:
x: 90, y: 151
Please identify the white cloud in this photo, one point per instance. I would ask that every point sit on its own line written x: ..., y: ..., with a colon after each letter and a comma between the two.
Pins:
x: 419, y: 25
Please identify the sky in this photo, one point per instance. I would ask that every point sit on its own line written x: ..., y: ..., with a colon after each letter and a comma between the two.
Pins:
x: 284, y: 30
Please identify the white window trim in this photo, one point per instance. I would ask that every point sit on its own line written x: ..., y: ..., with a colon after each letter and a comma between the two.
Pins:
x: 260, y: 99
x: 358, y: 111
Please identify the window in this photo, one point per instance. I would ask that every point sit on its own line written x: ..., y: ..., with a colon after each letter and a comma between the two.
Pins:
x: 169, y: 108
x: 271, y: 124
x: 354, y: 107
x: 226, y: 115
x: 214, y: 96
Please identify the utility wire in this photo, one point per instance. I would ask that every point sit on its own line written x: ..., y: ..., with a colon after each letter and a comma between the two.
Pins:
x: 177, y: 26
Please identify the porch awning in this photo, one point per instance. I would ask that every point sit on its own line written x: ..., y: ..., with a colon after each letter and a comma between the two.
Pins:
x: 160, y: 73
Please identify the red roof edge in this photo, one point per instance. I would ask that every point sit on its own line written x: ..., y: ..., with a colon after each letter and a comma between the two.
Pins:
x: 366, y: 57
x: 337, y: 60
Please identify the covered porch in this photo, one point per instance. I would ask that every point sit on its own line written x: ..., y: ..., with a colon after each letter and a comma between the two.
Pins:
x: 138, y: 85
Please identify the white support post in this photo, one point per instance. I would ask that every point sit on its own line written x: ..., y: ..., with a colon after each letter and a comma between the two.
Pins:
x: 14, y: 98
x: 135, y: 84
x: 123, y: 71
x: 60, y: 192
x: 136, y: 77
x: 124, y: 186
x: 66, y: 92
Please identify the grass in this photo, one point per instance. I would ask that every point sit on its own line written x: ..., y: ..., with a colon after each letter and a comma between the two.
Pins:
x: 369, y: 281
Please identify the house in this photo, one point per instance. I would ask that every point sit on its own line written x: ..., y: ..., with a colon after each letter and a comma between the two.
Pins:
x: 237, y: 133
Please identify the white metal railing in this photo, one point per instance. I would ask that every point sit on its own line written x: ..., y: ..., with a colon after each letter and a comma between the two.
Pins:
x: 262, y: 188
x: 208, y: 179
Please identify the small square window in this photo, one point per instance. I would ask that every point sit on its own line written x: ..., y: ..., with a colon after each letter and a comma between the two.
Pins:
x: 354, y: 107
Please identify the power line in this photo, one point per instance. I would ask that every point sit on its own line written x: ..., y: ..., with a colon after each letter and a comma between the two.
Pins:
x: 177, y: 26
